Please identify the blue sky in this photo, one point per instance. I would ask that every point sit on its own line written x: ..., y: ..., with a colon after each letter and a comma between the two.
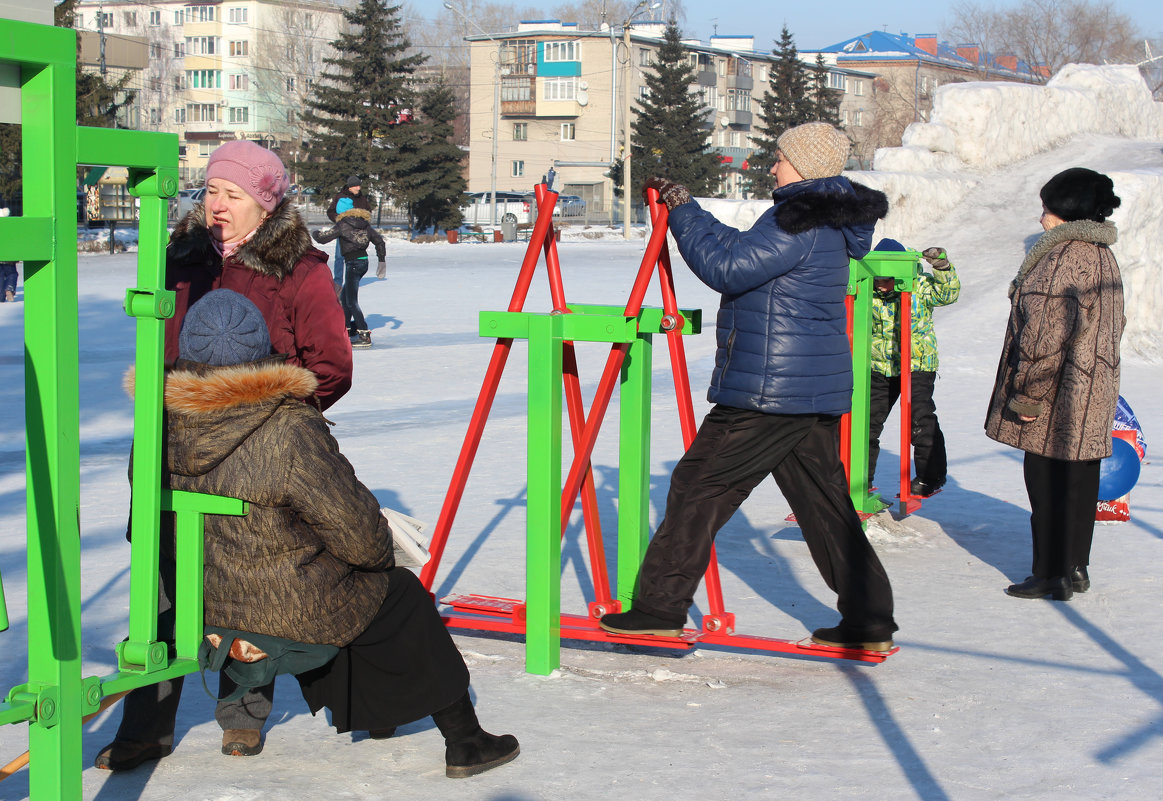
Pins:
x: 818, y: 25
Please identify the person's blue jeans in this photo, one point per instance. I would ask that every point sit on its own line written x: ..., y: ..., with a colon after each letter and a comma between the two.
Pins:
x: 7, y: 278
x: 337, y: 265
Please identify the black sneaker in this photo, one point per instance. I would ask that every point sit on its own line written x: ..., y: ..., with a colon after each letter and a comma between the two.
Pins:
x: 362, y: 339
x: 843, y: 637
x: 636, y: 622
x: 924, y: 489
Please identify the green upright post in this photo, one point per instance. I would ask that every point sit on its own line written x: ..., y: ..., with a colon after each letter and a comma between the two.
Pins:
x: 633, y: 465
x: 543, y: 522
x: 52, y: 416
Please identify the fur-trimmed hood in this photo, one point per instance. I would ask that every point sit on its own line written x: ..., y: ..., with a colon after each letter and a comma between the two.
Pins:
x: 361, y: 218
x: 276, y: 247
x: 1098, y: 233
x: 827, y: 202
x: 211, y: 410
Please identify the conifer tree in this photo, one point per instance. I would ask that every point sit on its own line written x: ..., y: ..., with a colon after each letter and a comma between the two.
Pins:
x: 668, y: 138
x: 786, y: 103
x: 825, y: 99
x: 362, y: 104
x: 431, y: 183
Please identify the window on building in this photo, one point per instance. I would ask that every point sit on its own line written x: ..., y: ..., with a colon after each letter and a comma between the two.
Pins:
x: 180, y: 82
x: 924, y: 84
x: 644, y: 57
x: 309, y: 84
x: 518, y: 169
x: 155, y: 18
x: 838, y: 80
x: 520, y: 56
x: 291, y: 83
x: 563, y: 51
x: 202, y: 45
x: 859, y: 117
x: 155, y: 83
x: 179, y: 17
x: 560, y: 88
x: 180, y: 115
x: 239, y: 83
x: 738, y: 100
x: 643, y: 92
x: 155, y: 116
x: 180, y: 48
x: 205, y: 148
x: 240, y: 48
x: 709, y: 96
x: 155, y: 51
x: 568, y: 131
x: 105, y: 19
x: 130, y: 19
x: 722, y: 66
x: 844, y: 119
x: 516, y: 89
x: 204, y: 79
x: 239, y: 114
x: 763, y: 73
x: 236, y: 16
x: 202, y: 112
x: 734, y: 139
x: 290, y: 116
x: 520, y: 131
x: 205, y: 13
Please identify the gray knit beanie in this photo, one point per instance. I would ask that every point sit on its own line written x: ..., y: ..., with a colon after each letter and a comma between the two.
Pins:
x: 815, y: 149
x: 224, y: 328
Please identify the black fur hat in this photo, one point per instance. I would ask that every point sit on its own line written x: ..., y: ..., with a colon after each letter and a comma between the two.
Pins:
x: 1080, y: 194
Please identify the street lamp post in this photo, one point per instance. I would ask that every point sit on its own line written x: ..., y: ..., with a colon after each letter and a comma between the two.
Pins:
x: 626, y: 130
x: 496, y: 102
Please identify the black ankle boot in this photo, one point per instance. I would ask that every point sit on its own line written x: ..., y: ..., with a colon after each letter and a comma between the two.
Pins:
x: 1080, y: 579
x: 469, y: 749
x: 1059, y: 588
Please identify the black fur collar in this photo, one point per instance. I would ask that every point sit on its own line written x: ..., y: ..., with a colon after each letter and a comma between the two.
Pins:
x: 810, y: 209
x: 276, y: 247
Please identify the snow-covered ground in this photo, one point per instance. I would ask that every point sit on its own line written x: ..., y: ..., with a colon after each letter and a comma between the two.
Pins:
x: 989, y: 697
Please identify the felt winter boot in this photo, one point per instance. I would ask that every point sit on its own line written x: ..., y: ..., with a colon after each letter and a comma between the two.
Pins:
x: 469, y: 749
x: 122, y: 755
x: 242, y: 742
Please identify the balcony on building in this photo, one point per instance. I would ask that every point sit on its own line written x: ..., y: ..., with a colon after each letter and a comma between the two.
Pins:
x: 739, y: 74
x: 739, y: 119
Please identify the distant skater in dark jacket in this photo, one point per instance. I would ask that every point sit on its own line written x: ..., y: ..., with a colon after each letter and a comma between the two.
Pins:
x: 782, y: 379
x: 354, y: 230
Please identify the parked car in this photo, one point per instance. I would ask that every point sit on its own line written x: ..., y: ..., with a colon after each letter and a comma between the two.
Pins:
x: 186, y: 200
x: 479, y: 209
x: 569, y: 206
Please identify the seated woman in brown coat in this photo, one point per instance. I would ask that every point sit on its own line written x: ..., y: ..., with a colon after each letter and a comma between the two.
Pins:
x: 312, y: 561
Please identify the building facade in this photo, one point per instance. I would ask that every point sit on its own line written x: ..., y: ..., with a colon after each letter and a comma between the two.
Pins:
x: 562, y: 95
x: 233, y: 69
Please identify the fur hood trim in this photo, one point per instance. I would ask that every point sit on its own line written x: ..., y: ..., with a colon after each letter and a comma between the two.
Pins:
x: 194, y: 389
x: 1098, y: 233
x: 276, y: 247
x: 830, y: 206
x: 354, y: 214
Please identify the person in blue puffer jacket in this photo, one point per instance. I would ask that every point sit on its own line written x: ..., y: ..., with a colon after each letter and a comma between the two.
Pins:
x: 782, y: 379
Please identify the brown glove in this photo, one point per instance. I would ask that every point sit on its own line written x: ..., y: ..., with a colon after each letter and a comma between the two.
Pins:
x: 670, y: 193
x: 937, y: 258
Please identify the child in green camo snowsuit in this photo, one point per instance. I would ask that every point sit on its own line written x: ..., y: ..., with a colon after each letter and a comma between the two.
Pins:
x: 940, y: 288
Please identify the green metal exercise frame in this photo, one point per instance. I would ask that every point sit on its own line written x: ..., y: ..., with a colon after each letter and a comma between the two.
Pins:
x: 56, y: 695
x: 903, y: 267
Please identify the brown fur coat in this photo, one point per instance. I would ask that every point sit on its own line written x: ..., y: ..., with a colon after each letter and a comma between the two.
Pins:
x: 1060, y: 359
x: 307, y: 562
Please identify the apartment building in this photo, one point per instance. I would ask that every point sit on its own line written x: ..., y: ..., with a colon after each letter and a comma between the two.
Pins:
x: 561, y: 95
x: 233, y: 69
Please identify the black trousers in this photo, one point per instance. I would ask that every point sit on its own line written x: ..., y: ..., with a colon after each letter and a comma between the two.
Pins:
x: 349, y: 296
x: 928, y: 442
x: 734, y: 450
x: 1063, y: 496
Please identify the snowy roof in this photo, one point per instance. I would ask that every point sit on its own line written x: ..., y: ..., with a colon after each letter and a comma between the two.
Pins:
x: 883, y: 46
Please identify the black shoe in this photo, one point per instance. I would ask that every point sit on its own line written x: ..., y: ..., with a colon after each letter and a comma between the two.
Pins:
x: 478, y: 753
x: 122, y: 755
x: 1059, y: 588
x: 381, y: 734
x: 924, y: 489
x: 1079, y: 579
x: 636, y: 622
x: 843, y: 637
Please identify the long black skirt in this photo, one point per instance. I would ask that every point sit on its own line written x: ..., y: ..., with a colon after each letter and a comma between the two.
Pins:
x: 403, y: 667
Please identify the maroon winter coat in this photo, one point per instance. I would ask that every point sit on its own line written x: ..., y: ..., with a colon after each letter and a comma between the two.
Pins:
x: 284, y: 275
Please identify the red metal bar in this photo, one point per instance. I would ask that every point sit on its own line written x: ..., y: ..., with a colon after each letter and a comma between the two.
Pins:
x: 576, y: 408
x: 846, y: 418
x: 609, y: 377
x: 480, y: 414
x: 906, y: 324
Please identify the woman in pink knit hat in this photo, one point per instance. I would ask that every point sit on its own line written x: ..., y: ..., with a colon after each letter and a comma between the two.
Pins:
x: 247, y: 237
